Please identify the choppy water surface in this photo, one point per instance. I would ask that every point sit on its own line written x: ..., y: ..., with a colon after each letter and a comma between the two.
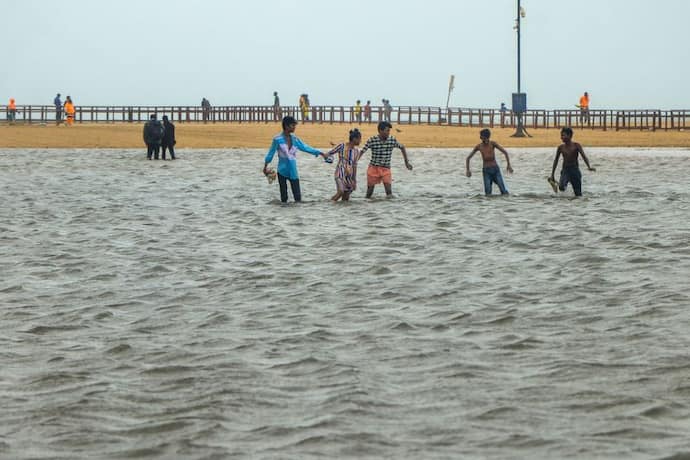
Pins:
x: 177, y: 310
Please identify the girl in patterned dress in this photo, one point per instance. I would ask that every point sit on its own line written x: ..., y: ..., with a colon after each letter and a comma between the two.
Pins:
x: 346, y: 169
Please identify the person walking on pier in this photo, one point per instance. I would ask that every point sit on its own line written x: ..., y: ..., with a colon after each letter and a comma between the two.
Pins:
x: 153, y: 136
x: 12, y: 111
x: 69, y: 111
x: 205, y: 109
x: 387, y: 110
x: 168, y: 141
x: 584, y: 108
x: 358, y: 111
x: 276, y: 106
x: 58, y: 109
x: 367, y: 112
x: 304, y: 106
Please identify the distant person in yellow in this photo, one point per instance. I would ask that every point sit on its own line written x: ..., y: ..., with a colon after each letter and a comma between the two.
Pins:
x: 358, y: 111
x: 12, y: 111
x: 69, y: 111
x: 304, y: 106
x: 584, y: 108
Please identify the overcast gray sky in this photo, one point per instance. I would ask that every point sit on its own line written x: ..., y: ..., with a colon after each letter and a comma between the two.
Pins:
x: 625, y: 53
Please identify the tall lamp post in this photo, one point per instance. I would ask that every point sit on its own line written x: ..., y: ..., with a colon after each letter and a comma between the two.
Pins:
x: 519, y: 98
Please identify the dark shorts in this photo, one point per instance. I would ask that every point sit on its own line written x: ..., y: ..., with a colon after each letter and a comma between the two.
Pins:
x: 571, y: 176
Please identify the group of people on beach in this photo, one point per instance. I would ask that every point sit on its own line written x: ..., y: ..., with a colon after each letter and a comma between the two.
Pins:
x: 67, y: 108
x: 286, y: 144
x: 159, y: 137
x: 361, y: 113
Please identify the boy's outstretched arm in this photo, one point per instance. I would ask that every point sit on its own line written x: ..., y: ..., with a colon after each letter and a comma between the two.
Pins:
x: 502, y: 150
x: 404, y: 154
x: 555, y: 163
x: 468, y: 173
x: 584, y: 157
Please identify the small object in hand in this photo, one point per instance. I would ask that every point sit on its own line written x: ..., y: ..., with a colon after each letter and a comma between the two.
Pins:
x: 553, y: 185
x: 270, y: 175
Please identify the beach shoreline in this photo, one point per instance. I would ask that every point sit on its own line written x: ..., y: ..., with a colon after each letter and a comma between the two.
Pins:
x: 258, y: 135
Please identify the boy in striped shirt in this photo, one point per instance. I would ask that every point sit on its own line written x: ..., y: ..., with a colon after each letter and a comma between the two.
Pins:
x: 379, y: 170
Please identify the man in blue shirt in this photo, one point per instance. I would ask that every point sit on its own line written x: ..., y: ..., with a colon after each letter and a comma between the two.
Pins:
x: 58, y: 109
x: 287, y: 145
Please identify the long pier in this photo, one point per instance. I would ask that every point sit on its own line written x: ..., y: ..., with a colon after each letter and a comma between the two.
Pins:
x: 651, y: 120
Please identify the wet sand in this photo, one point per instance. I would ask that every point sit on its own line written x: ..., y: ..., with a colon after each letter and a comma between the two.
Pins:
x: 258, y: 135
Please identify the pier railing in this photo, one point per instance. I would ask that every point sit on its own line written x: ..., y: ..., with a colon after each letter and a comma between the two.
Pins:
x: 445, y: 116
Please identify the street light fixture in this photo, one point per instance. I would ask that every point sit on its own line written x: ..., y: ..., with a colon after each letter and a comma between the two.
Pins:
x: 519, y: 98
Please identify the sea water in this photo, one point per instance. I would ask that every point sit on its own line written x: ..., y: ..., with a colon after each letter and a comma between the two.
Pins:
x: 176, y: 309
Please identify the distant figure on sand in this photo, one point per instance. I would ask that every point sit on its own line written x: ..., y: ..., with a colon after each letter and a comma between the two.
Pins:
x: 12, y: 111
x: 379, y: 169
x: 490, y: 169
x: 70, y: 111
x: 153, y: 136
x: 584, y: 108
x: 168, y: 142
x: 287, y: 145
x: 346, y: 168
x: 571, y: 168
x: 276, y: 106
x: 205, y: 109
x: 387, y: 109
x: 367, y: 112
x: 58, y: 109
x: 358, y: 111
x: 304, y: 106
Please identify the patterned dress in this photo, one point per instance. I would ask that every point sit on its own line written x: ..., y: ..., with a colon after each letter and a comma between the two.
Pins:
x: 346, y: 169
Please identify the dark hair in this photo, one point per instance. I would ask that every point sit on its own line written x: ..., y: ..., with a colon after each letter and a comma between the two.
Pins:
x: 153, y: 116
x: 354, y: 133
x: 567, y: 131
x: 165, y: 118
x: 287, y: 121
x: 383, y: 125
x: 485, y: 133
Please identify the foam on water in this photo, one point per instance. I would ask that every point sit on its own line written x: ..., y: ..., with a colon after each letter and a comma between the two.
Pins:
x: 178, y: 310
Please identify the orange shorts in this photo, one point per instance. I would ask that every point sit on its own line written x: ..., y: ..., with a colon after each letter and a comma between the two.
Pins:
x: 378, y: 174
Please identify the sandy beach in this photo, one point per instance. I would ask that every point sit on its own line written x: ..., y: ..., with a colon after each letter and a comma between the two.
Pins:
x: 258, y: 135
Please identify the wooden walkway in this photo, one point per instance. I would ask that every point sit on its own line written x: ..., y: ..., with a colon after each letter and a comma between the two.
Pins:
x: 453, y: 116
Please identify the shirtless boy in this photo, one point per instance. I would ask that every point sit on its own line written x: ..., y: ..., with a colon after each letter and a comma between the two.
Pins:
x: 490, y: 169
x: 570, y: 173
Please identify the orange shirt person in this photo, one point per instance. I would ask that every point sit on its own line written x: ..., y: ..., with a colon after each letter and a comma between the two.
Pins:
x: 69, y: 111
x: 584, y: 108
x: 584, y: 101
x: 11, y: 111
